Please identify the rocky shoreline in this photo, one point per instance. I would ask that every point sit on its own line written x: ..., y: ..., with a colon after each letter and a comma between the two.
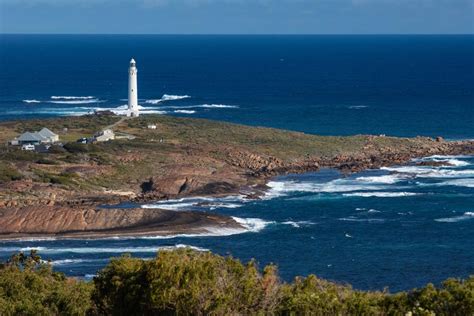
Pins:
x: 84, y: 223
x: 65, y: 198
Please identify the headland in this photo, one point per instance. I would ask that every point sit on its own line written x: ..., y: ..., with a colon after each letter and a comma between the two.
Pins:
x: 72, y: 189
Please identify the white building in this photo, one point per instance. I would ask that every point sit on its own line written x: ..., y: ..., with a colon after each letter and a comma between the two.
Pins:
x: 132, y: 90
x: 151, y: 126
x: 44, y: 136
x: 104, y: 135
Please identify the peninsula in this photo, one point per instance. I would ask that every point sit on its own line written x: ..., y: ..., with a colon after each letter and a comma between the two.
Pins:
x: 72, y: 188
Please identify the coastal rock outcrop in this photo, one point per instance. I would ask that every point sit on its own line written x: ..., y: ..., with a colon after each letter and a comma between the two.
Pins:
x: 95, y: 222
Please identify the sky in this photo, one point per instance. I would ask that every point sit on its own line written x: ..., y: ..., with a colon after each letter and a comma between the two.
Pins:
x: 238, y: 16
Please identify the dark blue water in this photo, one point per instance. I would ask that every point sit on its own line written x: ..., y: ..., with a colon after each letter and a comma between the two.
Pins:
x: 397, y: 85
x: 400, y: 227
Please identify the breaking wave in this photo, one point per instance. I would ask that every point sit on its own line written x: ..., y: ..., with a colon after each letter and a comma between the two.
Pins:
x: 217, y: 106
x: 87, y: 250
x: 281, y: 188
x: 455, y: 219
x: 167, y: 97
x: 450, y: 161
x: 358, y: 107
x: 55, y: 97
x: 355, y: 219
x: 298, y: 224
x: 381, y: 194
x: 185, y: 111
x: 385, y: 179
x: 123, y: 110
x: 32, y: 101
x: 253, y: 224
x: 468, y: 183
x: 183, y: 204
x: 73, y: 261
x: 427, y: 172
x: 171, y: 97
x: 85, y: 101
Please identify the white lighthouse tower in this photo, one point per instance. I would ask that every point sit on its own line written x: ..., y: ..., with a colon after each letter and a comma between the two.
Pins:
x: 132, y: 89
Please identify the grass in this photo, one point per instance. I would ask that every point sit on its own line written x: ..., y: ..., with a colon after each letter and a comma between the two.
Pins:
x: 176, y: 142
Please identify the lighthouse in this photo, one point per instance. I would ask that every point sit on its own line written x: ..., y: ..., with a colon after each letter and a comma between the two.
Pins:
x: 132, y: 89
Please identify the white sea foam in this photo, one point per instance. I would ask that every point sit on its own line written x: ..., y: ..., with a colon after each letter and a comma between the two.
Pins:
x: 431, y: 172
x: 23, y: 249
x: 380, y: 194
x: 87, y: 250
x: 387, y: 179
x: 368, y: 220
x: 298, y: 224
x: 448, y: 157
x: 455, y: 219
x: 451, y: 161
x: 67, y: 97
x: 217, y: 106
x: 253, y: 224
x: 123, y: 110
x: 171, y: 97
x: 74, y: 261
x: 85, y: 101
x: 231, y: 201
x: 185, y: 111
x: 167, y: 97
x: 358, y: 107
x: 281, y: 188
x: 32, y: 101
x: 468, y: 182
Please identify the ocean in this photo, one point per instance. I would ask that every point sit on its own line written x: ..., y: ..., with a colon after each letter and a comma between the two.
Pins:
x: 399, y: 227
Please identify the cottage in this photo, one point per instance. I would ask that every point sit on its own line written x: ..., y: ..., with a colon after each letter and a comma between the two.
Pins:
x: 104, y: 135
x: 44, y: 136
x: 47, y: 134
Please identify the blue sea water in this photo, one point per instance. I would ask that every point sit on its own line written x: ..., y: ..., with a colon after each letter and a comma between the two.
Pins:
x: 400, y: 227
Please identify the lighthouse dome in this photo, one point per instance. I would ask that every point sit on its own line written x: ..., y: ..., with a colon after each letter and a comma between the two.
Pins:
x: 132, y: 62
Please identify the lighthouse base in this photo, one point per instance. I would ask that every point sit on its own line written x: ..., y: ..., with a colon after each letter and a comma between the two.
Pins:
x: 133, y: 114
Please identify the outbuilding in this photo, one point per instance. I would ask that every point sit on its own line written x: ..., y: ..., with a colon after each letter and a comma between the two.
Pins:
x: 104, y: 135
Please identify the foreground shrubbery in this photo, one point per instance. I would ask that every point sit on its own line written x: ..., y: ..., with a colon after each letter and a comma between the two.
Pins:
x: 199, y: 283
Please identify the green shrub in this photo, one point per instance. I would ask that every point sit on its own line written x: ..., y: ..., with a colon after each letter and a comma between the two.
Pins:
x: 186, y: 282
x: 29, y: 287
x: 21, y: 155
x: 75, y: 148
x: 8, y: 173
x: 45, y: 161
x: 56, y: 149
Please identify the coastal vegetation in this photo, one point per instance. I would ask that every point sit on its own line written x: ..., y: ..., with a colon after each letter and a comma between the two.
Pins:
x: 206, y: 151
x: 180, y: 157
x: 188, y: 282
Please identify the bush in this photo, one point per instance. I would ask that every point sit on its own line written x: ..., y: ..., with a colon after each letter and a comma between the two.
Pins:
x: 21, y: 155
x: 45, y: 161
x: 56, y: 149
x: 75, y: 148
x: 187, y: 282
x: 8, y: 173
x: 29, y: 287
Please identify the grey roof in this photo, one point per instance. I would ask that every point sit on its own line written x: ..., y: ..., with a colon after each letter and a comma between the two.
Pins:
x: 27, y: 137
x: 46, y: 133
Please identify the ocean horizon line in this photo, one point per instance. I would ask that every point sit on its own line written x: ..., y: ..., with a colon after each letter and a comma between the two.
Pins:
x: 248, y: 34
